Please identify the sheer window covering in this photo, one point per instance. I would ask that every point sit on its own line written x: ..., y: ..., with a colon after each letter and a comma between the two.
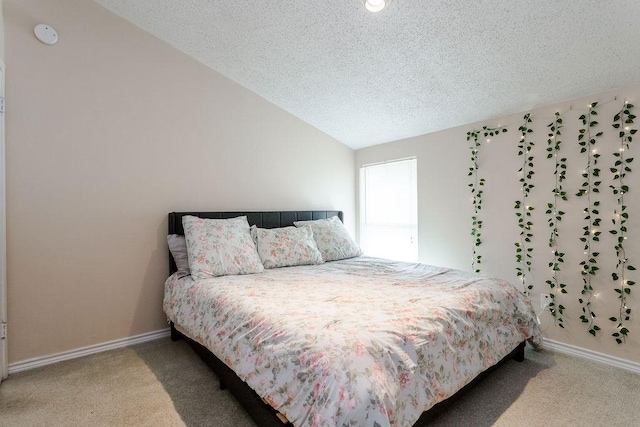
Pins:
x: 388, y: 210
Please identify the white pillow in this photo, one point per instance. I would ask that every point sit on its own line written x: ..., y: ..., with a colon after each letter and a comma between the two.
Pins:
x: 287, y: 246
x: 332, y: 238
x: 220, y: 247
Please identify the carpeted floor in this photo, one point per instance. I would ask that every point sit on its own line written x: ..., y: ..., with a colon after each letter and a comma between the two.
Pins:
x: 162, y: 383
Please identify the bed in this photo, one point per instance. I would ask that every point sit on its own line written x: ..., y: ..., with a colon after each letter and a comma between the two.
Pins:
x: 359, y: 341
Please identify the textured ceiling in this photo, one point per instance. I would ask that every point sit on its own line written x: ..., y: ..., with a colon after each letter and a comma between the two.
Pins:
x: 416, y: 67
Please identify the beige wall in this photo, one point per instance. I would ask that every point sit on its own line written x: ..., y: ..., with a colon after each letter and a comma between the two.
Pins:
x: 445, y: 209
x: 108, y: 131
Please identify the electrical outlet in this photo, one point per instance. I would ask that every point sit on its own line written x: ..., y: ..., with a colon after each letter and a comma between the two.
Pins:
x: 544, y: 301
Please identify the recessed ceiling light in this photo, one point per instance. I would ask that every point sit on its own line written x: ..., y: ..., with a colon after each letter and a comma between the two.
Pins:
x: 375, y: 5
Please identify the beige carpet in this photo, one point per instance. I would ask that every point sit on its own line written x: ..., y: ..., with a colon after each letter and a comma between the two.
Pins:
x: 162, y: 383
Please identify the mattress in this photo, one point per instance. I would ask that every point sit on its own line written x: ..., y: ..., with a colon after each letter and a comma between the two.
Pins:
x: 362, y: 341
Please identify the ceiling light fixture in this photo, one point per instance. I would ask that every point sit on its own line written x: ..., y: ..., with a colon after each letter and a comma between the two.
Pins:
x: 375, y: 5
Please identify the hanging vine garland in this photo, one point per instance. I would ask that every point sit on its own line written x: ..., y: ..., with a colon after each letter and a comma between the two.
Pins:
x: 554, y: 217
x: 622, y: 121
x: 476, y: 190
x: 476, y: 198
x: 524, y: 249
x: 587, y: 141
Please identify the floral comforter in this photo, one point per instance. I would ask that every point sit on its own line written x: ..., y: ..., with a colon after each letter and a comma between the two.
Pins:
x: 362, y: 341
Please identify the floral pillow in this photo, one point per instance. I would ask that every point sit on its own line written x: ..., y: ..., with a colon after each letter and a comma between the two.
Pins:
x: 287, y: 246
x: 220, y: 247
x: 332, y: 238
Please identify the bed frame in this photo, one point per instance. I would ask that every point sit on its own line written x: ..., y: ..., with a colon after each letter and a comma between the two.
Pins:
x: 263, y: 414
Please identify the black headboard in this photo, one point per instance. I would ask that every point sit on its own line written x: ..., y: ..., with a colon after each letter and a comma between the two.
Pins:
x: 272, y: 219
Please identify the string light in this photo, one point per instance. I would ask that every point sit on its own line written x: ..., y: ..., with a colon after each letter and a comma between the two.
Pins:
x: 523, y: 255
x: 591, y: 233
x: 555, y: 216
x: 476, y: 180
x: 620, y: 169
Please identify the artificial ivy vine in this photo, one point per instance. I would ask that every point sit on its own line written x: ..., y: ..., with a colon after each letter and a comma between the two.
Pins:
x: 524, y: 249
x: 554, y: 217
x: 588, y: 138
x: 476, y: 185
x: 587, y: 141
x: 622, y: 122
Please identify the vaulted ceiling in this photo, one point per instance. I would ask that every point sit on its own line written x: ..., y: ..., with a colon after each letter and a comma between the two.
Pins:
x: 416, y: 67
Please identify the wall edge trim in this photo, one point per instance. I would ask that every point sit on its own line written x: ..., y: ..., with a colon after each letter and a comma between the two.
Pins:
x: 595, y: 356
x: 37, y: 362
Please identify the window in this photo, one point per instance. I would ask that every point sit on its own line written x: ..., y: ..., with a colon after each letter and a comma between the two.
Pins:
x: 389, y: 210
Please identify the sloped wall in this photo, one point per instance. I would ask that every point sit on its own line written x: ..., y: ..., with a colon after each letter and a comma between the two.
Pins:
x: 108, y: 131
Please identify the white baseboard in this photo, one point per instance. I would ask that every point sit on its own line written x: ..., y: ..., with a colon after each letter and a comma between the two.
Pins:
x: 591, y: 355
x: 37, y: 362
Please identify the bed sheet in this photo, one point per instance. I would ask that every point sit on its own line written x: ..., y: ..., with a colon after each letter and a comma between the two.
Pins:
x: 363, y: 341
